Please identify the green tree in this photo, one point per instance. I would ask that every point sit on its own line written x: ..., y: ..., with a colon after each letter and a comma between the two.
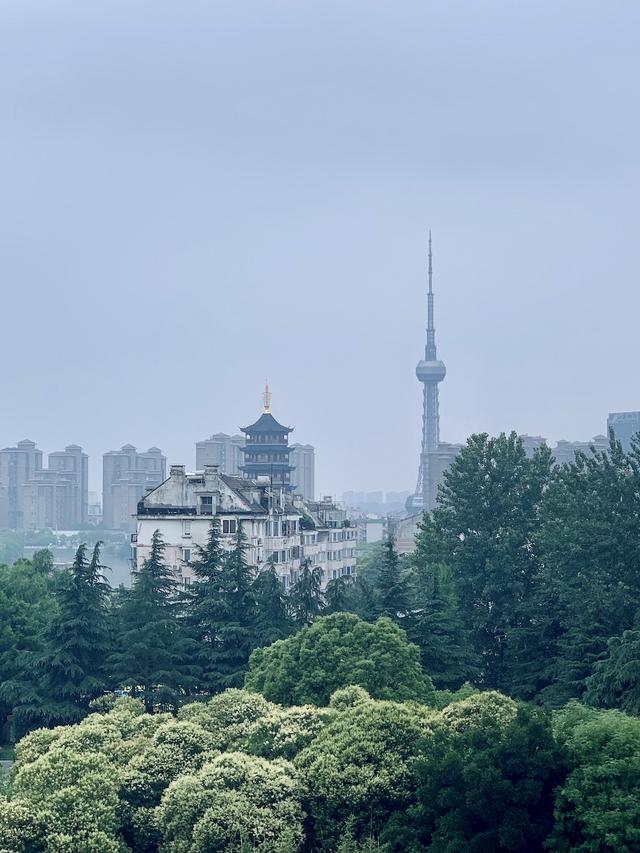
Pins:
x: 597, y: 808
x: 337, y: 594
x: 272, y: 615
x: 392, y: 592
x: 234, y: 627
x: 337, y: 651
x: 204, y: 603
x: 589, y: 586
x: 153, y: 656
x: 72, y: 669
x: 484, y: 528
x: 438, y: 629
x: 485, y: 782
x: 359, y: 768
x: 11, y: 546
x: 615, y: 682
x: 27, y: 607
x: 305, y: 597
x: 235, y: 802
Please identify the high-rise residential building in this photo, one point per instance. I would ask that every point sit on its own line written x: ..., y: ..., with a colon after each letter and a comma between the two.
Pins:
x: 430, y: 371
x: 57, y: 496
x: 36, y: 497
x: 266, y: 450
x: 17, y: 465
x: 625, y: 426
x: 565, y: 451
x: 72, y: 464
x: 303, y: 459
x: 126, y: 476
x: 222, y: 450
x: 531, y: 443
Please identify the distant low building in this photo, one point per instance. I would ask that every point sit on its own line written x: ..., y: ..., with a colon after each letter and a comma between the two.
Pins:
x: 625, y: 426
x: 405, y: 531
x: 371, y: 528
x: 94, y: 509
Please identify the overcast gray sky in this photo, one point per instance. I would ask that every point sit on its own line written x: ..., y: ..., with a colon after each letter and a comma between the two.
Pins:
x: 196, y: 196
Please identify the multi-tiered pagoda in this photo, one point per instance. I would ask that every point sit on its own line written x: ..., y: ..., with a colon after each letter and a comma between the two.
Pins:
x: 266, y: 451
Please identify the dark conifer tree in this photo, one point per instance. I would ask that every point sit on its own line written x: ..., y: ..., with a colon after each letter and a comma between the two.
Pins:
x: 73, y: 667
x: 154, y: 656
x: 272, y: 615
x: 338, y: 594
x: 234, y: 628
x: 305, y: 598
x: 438, y: 629
x: 204, y: 603
x: 392, y: 590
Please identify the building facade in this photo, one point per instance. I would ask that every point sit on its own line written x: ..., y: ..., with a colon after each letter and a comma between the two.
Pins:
x: 303, y: 459
x: 17, y: 466
x: 57, y: 497
x: 565, y: 451
x: 279, y: 529
x: 625, y: 426
x: 222, y: 450
x: 126, y: 476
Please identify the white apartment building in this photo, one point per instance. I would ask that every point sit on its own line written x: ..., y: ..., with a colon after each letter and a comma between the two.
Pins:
x: 277, y: 528
x: 327, y: 537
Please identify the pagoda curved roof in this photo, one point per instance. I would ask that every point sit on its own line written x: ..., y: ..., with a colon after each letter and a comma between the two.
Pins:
x: 266, y: 423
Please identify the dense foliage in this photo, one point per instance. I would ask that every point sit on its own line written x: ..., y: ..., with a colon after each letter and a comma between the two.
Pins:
x: 389, y: 732
x: 238, y: 772
x: 335, y: 651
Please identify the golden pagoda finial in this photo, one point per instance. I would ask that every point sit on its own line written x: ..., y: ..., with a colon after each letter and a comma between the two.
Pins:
x: 266, y: 397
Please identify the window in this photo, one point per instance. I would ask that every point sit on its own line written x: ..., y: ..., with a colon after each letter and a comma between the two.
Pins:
x: 229, y: 525
x: 186, y: 554
x: 186, y: 528
x: 206, y: 505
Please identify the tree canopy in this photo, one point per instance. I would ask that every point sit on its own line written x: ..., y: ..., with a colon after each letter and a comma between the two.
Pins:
x: 336, y: 651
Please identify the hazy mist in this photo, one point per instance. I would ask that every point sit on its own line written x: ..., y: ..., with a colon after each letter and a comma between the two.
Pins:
x: 199, y: 196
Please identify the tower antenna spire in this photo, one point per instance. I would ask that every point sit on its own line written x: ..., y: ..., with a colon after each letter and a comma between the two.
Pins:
x: 430, y: 349
x: 266, y: 399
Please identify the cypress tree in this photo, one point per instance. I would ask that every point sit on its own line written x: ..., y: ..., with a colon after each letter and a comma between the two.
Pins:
x: 392, y: 592
x: 234, y: 629
x: 203, y: 603
x: 305, y: 598
x: 337, y: 594
x: 72, y: 670
x: 438, y: 629
x: 272, y: 615
x: 154, y: 656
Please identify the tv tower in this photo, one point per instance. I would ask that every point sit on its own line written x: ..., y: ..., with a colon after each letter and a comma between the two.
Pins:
x: 430, y: 371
